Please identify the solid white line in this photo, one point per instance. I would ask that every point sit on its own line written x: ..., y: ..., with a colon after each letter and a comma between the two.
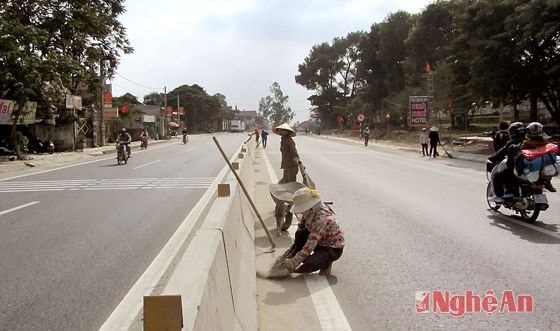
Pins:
x: 130, y: 306
x: 19, y: 207
x: 328, y: 310
x: 147, y: 164
x: 74, y: 165
x: 530, y: 226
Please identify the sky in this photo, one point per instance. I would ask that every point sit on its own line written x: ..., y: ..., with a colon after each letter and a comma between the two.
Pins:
x: 237, y: 47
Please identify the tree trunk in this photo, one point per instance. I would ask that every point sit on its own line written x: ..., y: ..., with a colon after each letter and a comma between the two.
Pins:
x: 555, y: 113
x: 19, y: 153
x: 533, y: 99
x: 515, y: 111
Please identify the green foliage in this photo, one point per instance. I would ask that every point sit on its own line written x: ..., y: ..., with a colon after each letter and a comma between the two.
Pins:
x: 200, y: 107
x: 275, y: 107
x: 153, y: 99
x: 501, y: 51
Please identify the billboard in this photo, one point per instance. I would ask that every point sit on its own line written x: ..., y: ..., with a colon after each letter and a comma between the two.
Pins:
x: 418, y: 111
x: 110, y: 113
x: 7, y: 108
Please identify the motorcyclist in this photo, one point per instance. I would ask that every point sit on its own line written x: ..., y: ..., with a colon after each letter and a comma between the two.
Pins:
x: 535, y: 139
x: 144, y: 136
x: 126, y: 139
x: 506, y: 176
x: 501, y: 136
x: 184, y: 132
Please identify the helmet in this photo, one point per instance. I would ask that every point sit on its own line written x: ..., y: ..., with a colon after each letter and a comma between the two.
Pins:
x: 123, y: 130
x: 503, y: 126
x: 535, y: 130
x: 517, y: 131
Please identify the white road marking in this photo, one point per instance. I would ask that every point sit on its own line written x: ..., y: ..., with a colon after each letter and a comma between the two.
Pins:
x: 147, y: 164
x: 106, y: 184
x: 326, y: 305
x: 528, y: 225
x: 19, y: 207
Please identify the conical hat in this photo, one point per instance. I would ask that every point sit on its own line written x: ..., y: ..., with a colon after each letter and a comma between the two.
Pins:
x: 284, y: 126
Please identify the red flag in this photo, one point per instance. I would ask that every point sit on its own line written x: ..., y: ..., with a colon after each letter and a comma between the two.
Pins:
x: 428, y: 68
x: 124, y: 109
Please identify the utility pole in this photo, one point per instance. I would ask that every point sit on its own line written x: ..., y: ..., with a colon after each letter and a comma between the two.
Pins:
x: 102, y: 108
x: 164, y: 119
x: 178, y: 115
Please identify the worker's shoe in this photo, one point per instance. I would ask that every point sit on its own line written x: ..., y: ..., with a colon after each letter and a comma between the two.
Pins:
x: 326, y: 271
x: 549, y: 187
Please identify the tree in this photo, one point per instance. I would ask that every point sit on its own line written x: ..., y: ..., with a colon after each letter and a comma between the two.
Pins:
x: 153, y: 99
x: 275, y: 107
x: 200, y: 107
x: 49, y: 47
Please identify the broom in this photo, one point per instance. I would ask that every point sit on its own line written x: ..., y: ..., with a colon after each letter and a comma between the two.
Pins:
x: 446, y: 152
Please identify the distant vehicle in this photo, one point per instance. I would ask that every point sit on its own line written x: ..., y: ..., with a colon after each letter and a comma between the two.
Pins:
x: 237, y: 126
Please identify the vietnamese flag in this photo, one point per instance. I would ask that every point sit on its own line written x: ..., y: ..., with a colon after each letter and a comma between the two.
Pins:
x: 428, y: 68
x: 124, y: 109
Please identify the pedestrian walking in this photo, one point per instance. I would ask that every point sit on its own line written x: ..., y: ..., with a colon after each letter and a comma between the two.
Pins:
x: 264, y: 138
x: 424, y: 142
x: 257, y: 135
x: 289, y: 164
x: 434, y: 141
x: 366, y: 135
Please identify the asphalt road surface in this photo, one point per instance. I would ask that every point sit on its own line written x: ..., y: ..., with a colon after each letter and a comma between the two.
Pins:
x: 415, y: 224
x: 73, y: 241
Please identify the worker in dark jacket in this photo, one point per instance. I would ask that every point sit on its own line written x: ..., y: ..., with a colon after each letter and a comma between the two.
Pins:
x: 289, y: 164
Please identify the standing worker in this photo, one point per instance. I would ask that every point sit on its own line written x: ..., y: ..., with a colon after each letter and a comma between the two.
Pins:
x: 366, y: 135
x: 289, y: 164
x: 264, y: 138
x: 434, y: 140
x: 257, y: 135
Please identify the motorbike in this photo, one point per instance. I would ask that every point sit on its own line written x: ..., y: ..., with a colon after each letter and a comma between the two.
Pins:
x: 143, y: 142
x: 185, y: 138
x: 37, y: 145
x: 528, y: 200
x: 122, y: 154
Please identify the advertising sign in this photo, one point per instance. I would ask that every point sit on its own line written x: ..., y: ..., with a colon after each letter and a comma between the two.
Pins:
x: 419, y: 111
x: 110, y: 113
x: 149, y: 119
x: 7, y: 108
x: 107, y: 100
x: 73, y: 102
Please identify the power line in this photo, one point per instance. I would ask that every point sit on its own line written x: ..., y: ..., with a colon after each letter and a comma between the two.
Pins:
x: 144, y: 86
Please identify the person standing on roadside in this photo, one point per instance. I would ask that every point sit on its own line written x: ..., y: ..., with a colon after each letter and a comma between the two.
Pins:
x: 366, y: 135
x: 434, y: 141
x: 289, y: 164
x: 424, y: 142
x: 501, y: 137
x: 264, y: 138
x: 257, y: 135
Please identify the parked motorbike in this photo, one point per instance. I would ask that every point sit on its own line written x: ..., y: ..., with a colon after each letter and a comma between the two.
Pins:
x: 122, y: 154
x: 528, y: 201
x: 37, y: 145
x: 143, y: 142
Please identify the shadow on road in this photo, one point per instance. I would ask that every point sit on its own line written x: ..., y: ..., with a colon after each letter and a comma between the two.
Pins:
x: 501, y: 221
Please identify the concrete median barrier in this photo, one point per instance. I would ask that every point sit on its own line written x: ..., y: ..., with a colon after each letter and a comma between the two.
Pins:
x: 216, y: 275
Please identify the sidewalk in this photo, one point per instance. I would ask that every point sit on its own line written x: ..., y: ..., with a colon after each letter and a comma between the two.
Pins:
x: 41, y: 161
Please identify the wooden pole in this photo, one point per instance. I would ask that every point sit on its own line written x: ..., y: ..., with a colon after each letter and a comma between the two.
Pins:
x: 246, y: 193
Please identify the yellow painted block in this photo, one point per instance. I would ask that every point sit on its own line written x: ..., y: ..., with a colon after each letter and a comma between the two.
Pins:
x: 163, y: 313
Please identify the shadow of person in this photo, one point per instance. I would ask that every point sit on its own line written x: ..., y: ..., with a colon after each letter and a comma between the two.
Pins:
x: 295, y: 288
x: 505, y: 223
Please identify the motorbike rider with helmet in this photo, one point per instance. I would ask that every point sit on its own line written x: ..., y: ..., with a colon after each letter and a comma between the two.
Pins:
x: 125, y: 138
x: 535, y: 139
x: 506, y: 176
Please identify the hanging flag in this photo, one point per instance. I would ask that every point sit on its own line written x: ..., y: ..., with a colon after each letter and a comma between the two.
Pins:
x: 124, y: 109
x: 428, y: 68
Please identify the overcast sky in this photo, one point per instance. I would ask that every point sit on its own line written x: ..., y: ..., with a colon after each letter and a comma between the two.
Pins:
x: 237, y: 47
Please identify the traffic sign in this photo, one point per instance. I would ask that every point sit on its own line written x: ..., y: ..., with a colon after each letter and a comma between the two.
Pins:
x: 361, y: 117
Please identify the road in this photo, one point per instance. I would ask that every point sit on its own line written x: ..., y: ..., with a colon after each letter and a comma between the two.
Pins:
x: 418, y: 224
x: 74, y: 241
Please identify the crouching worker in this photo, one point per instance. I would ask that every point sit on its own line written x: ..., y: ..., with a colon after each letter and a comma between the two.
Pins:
x: 318, y: 239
